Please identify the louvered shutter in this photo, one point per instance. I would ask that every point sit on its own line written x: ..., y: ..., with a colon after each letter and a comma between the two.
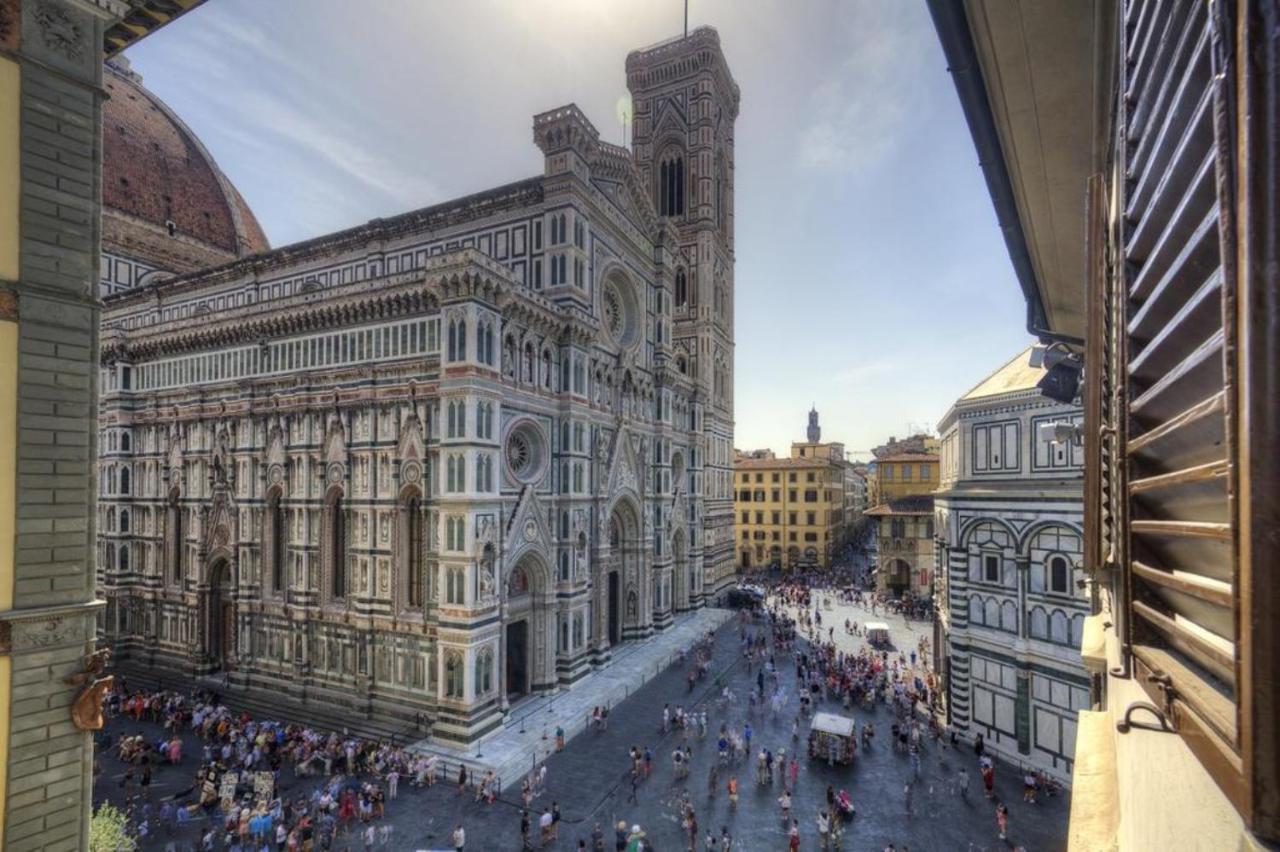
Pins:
x: 1100, y: 471
x: 1176, y: 421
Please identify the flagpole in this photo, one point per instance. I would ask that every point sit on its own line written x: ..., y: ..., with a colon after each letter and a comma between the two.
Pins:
x: 686, y: 18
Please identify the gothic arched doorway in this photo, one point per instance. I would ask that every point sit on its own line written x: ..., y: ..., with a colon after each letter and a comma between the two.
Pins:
x: 621, y: 572
x: 220, y: 646
x: 528, y: 653
x: 683, y: 586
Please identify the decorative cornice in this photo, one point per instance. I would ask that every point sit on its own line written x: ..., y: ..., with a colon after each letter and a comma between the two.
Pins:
x: 462, y: 274
x: 116, y: 343
x: 371, y: 236
x: 676, y: 58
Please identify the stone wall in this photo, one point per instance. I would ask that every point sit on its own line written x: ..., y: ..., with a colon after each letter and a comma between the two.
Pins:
x: 46, y: 581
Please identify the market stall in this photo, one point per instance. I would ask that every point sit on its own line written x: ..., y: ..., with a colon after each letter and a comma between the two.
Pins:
x: 833, y: 738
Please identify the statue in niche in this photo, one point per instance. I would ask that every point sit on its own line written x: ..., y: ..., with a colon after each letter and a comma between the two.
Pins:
x: 487, y: 582
x: 86, y: 710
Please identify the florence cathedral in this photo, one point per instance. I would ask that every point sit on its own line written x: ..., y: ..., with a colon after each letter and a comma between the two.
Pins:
x: 432, y: 464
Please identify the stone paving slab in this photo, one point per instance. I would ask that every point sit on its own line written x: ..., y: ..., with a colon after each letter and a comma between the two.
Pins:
x: 529, y: 733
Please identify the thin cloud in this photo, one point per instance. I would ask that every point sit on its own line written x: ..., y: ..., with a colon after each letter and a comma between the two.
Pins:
x: 354, y: 157
x: 861, y: 372
x: 862, y: 109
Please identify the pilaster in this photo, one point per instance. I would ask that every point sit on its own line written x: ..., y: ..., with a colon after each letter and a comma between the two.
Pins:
x: 50, y: 114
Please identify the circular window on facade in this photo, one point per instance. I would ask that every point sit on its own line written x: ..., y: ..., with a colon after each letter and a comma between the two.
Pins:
x: 525, y: 452
x: 621, y: 313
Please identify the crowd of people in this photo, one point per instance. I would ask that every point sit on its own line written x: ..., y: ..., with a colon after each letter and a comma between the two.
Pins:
x: 235, y: 791
x: 905, y: 682
x: 241, y: 767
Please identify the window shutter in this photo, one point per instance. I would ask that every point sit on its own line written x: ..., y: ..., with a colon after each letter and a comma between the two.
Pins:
x: 1176, y: 423
x: 1099, y: 395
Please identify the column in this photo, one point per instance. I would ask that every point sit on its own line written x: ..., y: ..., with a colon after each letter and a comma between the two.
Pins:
x: 50, y: 157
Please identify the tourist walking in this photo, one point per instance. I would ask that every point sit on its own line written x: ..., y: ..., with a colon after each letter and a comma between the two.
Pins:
x: 545, y: 826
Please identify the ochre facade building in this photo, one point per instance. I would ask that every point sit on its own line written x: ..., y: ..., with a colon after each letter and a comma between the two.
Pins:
x: 795, y: 512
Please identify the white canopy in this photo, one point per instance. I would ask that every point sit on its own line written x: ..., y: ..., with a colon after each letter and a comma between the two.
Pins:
x: 877, y: 625
x: 830, y: 723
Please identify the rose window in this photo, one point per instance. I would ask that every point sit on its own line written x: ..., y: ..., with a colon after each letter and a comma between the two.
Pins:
x: 518, y: 454
x: 620, y: 312
x: 524, y: 453
x: 613, y: 312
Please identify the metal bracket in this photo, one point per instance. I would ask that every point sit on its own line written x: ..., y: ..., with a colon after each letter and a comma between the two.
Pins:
x: 1125, y: 724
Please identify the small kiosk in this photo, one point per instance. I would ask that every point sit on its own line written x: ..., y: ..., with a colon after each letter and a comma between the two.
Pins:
x: 833, y: 738
x: 878, y: 634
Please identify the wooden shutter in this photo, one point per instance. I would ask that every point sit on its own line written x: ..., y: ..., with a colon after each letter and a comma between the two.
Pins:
x: 1100, y: 470
x: 1187, y: 599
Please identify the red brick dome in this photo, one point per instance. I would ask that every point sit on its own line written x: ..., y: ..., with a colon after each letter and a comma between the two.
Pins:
x: 157, y: 174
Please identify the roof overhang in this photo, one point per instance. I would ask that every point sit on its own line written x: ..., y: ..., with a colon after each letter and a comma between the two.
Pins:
x: 1035, y: 84
x: 134, y: 20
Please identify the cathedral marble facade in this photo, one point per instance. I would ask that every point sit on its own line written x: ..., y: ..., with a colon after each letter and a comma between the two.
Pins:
x: 439, y: 462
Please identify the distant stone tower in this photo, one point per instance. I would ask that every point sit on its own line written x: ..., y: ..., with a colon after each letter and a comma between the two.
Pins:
x: 815, y: 431
x: 685, y: 103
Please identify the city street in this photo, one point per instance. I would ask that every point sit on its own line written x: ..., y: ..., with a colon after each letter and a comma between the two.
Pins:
x: 590, y: 781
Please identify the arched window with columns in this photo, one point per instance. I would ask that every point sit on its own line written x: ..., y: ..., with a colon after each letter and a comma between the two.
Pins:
x: 412, y: 547
x: 276, y: 536
x: 336, y: 543
x: 453, y: 675
x: 174, y: 534
x: 671, y: 184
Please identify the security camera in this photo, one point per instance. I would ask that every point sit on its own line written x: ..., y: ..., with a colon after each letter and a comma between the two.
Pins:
x: 1052, y: 355
x: 1062, y: 382
x: 1061, y: 433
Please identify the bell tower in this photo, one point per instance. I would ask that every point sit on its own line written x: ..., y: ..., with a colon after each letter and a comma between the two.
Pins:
x: 684, y: 104
x: 815, y: 431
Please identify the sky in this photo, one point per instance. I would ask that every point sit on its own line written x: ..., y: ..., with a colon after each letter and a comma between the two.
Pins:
x: 871, y: 278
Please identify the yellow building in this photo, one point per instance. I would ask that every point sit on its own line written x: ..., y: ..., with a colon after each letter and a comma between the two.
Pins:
x: 904, y: 484
x: 905, y: 474
x: 794, y: 512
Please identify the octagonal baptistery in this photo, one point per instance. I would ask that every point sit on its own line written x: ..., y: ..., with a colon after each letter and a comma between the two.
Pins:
x: 412, y: 472
x: 166, y: 206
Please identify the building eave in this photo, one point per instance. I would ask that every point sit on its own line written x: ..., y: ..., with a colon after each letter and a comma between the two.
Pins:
x: 1028, y: 77
x: 137, y: 19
